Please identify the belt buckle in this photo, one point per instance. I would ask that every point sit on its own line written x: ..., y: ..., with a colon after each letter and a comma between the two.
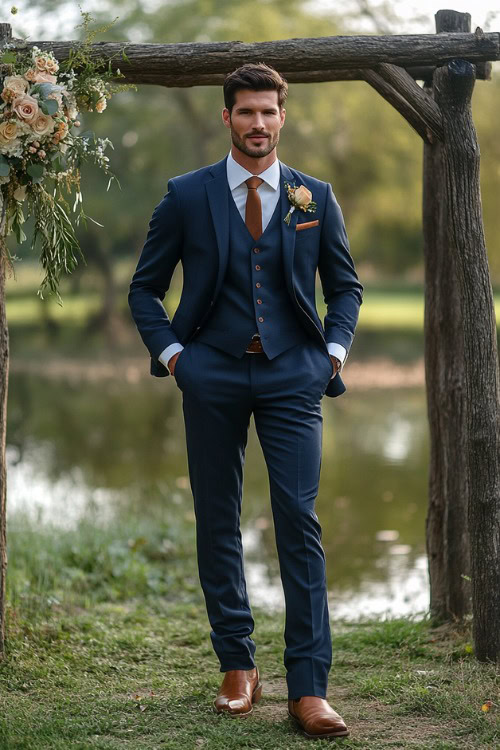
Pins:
x: 257, y: 341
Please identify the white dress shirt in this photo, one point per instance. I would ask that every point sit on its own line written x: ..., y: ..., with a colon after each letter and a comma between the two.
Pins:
x: 269, y: 193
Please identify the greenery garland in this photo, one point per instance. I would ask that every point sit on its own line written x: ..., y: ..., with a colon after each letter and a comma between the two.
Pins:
x: 42, y: 150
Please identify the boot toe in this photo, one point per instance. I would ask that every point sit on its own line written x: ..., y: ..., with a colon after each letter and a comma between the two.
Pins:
x: 238, y: 706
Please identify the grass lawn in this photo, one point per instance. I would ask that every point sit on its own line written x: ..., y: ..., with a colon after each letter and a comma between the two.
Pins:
x: 143, y: 677
x: 109, y: 647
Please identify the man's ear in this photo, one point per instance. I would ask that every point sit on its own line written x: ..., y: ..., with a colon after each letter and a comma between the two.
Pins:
x: 226, y: 117
x: 282, y: 116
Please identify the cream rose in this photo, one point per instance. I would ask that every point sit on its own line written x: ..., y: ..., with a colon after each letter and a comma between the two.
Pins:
x: 14, y: 86
x: 30, y: 74
x: 8, y: 132
x: 25, y: 107
x: 40, y: 63
x: 51, y: 66
x: 44, y: 78
x: 302, y: 196
x: 43, y: 125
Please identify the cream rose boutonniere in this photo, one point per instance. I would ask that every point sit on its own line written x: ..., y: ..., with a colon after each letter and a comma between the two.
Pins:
x: 299, y: 197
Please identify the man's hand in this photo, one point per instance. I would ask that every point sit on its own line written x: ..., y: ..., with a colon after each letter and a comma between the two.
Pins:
x: 336, y: 364
x: 172, y: 361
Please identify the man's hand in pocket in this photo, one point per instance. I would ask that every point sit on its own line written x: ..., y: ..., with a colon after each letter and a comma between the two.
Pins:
x: 172, y: 361
x: 335, y: 362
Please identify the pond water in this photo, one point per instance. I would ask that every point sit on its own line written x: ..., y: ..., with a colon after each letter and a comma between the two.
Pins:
x: 118, y: 449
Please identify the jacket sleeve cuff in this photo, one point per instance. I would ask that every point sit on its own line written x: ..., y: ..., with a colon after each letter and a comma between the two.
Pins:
x: 169, y: 352
x: 339, y: 351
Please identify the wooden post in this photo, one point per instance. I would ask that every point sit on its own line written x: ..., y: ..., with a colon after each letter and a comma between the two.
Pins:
x: 5, y: 36
x: 478, y: 392
x: 446, y: 522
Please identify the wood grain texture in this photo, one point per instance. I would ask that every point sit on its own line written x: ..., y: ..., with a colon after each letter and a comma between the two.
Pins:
x: 479, y: 370
x: 299, y: 55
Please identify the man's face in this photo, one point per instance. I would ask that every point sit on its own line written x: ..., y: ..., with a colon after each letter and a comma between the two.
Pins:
x: 255, y: 122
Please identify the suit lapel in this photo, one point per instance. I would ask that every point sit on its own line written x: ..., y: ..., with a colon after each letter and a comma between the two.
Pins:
x: 288, y: 233
x: 218, y: 198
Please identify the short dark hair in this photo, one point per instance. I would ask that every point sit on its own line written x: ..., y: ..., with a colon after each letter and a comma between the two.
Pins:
x: 254, y: 77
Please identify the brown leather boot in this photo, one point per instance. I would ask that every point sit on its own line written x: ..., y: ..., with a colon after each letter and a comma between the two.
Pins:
x: 316, y: 718
x: 240, y: 689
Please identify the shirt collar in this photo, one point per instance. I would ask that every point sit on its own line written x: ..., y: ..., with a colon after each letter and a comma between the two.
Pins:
x: 236, y: 174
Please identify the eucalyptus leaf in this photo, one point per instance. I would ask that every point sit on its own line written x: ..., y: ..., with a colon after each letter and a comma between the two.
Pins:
x: 49, y: 106
x: 18, y: 231
x: 36, y: 171
x: 45, y: 88
x: 4, y: 168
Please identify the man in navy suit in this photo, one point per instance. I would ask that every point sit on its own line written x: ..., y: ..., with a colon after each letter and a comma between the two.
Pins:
x: 246, y: 339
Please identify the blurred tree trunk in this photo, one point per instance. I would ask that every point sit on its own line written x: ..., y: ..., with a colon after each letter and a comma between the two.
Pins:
x: 107, y: 319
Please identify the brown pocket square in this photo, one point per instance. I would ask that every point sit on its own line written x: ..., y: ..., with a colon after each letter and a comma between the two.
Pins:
x: 306, y: 225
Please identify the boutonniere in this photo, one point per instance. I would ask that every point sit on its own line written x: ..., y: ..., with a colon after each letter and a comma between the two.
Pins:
x: 299, y: 197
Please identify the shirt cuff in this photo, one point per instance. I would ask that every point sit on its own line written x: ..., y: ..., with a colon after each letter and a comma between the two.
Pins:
x: 337, y: 350
x: 169, y: 352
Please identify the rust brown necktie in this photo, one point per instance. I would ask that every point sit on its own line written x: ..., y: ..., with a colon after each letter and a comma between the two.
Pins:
x: 253, y: 209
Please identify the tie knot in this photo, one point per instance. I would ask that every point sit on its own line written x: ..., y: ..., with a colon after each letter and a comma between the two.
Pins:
x: 254, y: 182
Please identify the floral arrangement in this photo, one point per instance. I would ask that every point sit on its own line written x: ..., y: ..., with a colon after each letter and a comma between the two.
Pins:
x: 299, y: 197
x: 42, y: 150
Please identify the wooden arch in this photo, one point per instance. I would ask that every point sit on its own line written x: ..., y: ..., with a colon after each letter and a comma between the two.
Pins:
x: 461, y: 358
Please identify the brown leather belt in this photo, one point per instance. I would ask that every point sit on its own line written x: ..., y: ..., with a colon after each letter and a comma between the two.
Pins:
x: 255, y: 345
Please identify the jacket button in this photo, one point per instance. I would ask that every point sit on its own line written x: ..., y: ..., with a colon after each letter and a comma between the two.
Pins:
x: 261, y: 320
x: 259, y: 302
x: 256, y: 249
x: 257, y: 268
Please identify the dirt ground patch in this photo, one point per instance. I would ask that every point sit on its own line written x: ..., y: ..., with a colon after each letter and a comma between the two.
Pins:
x: 368, y: 720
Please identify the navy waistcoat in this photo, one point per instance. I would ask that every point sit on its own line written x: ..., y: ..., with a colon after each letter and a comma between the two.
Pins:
x: 253, y: 297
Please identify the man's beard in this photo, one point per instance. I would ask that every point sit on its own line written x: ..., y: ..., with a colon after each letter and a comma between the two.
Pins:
x: 259, y: 151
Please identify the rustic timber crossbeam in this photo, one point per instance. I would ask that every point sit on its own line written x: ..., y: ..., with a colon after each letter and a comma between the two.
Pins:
x: 300, y: 60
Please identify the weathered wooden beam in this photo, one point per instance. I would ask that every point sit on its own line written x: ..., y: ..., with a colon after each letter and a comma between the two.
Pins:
x: 418, y: 73
x: 311, y: 54
x: 401, y: 81
x: 462, y: 375
x: 454, y: 84
x: 428, y: 128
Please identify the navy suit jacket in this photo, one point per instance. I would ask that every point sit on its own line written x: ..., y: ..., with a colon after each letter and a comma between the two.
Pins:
x: 191, y: 225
